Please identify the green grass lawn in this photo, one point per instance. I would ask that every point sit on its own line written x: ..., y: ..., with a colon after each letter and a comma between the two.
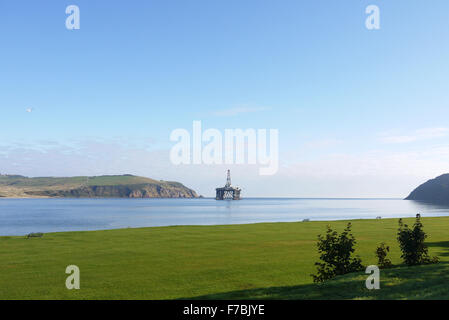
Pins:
x: 269, y: 260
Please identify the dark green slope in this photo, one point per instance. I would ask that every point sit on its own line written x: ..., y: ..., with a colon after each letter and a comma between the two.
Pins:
x: 433, y: 191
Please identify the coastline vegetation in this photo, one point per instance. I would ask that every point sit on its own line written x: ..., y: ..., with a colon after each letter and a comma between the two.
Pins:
x: 254, y: 261
x: 111, y: 186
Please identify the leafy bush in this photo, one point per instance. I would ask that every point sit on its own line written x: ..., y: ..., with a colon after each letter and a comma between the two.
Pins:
x: 381, y: 253
x: 411, y: 242
x: 336, y: 253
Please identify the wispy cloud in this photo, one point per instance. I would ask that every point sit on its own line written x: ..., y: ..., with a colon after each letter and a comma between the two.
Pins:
x: 230, y: 112
x: 418, y: 135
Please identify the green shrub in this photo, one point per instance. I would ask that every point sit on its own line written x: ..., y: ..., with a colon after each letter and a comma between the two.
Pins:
x: 411, y: 242
x: 336, y: 254
x: 381, y: 254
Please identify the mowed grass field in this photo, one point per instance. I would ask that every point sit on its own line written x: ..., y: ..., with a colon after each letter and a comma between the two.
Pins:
x: 255, y: 261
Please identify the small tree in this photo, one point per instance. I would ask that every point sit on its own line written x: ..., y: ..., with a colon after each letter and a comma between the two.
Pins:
x: 411, y: 242
x: 381, y: 254
x: 336, y: 253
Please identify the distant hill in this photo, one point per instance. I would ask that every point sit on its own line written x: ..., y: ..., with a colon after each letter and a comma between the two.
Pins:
x: 120, y: 186
x: 433, y: 191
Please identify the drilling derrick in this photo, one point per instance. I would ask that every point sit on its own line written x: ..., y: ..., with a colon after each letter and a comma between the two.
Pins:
x: 228, y: 192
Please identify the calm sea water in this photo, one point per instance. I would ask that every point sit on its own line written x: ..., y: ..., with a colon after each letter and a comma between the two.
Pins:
x: 22, y: 216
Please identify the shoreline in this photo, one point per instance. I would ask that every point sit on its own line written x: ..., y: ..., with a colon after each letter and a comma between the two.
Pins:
x: 243, y: 198
x: 243, y: 225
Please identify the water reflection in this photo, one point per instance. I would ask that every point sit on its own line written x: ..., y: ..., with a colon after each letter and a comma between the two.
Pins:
x: 22, y: 216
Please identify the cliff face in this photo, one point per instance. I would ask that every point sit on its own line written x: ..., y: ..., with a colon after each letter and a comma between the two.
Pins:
x: 434, y: 191
x: 93, y: 187
x: 122, y: 191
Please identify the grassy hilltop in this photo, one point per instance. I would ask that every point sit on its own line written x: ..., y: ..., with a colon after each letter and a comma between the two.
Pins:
x: 255, y: 261
x: 123, y: 186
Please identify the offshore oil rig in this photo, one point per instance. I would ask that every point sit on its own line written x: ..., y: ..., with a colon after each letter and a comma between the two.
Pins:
x: 228, y: 192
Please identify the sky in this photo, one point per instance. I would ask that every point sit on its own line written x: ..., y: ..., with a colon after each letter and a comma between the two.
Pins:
x: 360, y: 113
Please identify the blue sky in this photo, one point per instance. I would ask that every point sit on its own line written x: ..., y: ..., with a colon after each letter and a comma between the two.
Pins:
x: 359, y: 112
